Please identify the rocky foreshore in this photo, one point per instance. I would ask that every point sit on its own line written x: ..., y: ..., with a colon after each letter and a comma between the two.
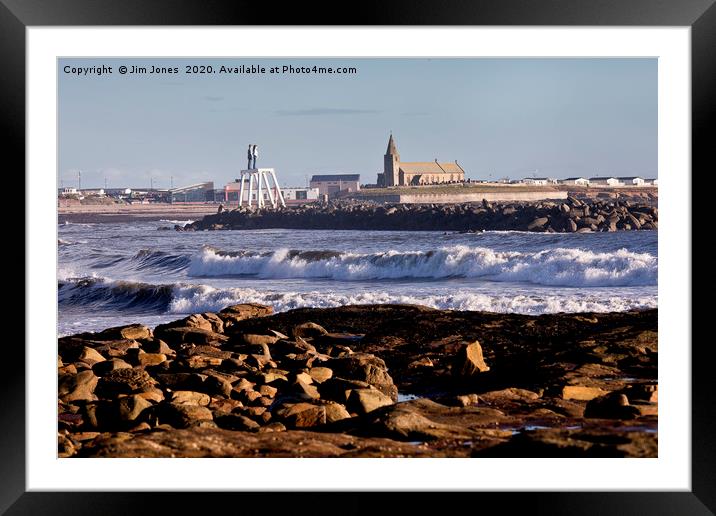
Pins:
x: 363, y: 381
x: 571, y: 216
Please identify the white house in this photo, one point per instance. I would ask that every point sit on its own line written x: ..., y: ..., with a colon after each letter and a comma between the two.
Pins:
x: 535, y: 180
x: 605, y: 181
x: 300, y: 195
x: 632, y: 181
x: 653, y: 182
x: 576, y: 181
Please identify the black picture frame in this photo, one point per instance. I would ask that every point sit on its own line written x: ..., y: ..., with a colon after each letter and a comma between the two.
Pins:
x: 17, y: 15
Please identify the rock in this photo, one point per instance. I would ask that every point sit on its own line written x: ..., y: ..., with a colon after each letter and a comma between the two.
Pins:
x: 366, y: 368
x: 190, y: 398
x: 130, y: 409
x: 304, y: 390
x: 176, y: 336
x: 90, y: 356
x: 469, y: 361
x: 156, y: 346
x: 571, y: 226
x: 363, y: 401
x: 150, y: 359
x: 237, y: 422
x: 335, y: 412
x: 581, y: 392
x: 102, y: 368
x: 124, y: 381
x: 320, y: 374
x: 537, y: 223
x: 308, y: 329
x: 610, y: 406
x: 251, y: 338
x: 183, y: 416
x: 235, y: 313
x: 80, y: 386
x: 301, y: 415
x: 132, y: 331
x: 268, y: 391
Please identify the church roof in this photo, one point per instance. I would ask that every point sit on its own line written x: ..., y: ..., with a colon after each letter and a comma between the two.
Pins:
x: 430, y: 167
x: 391, y: 146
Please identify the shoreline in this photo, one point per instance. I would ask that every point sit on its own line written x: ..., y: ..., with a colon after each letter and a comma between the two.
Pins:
x: 340, y: 382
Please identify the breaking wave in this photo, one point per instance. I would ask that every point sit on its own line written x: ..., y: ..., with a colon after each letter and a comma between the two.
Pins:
x: 566, y: 267
x: 133, y: 297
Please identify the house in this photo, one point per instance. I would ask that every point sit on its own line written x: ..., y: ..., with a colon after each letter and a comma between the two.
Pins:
x: 333, y: 183
x: 535, y: 181
x: 632, y: 181
x: 605, y: 181
x: 576, y: 181
x: 300, y: 195
x: 652, y: 182
x: 414, y: 173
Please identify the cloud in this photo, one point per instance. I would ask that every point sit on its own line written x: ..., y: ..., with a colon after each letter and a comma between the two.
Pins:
x: 325, y: 111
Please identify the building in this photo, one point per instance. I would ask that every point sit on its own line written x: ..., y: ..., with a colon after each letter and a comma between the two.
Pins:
x: 605, y: 181
x: 535, y: 181
x: 334, y: 183
x: 652, y: 182
x: 200, y: 192
x: 575, y: 181
x: 632, y: 181
x: 401, y: 173
x: 300, y: 195
x: 68, y: 191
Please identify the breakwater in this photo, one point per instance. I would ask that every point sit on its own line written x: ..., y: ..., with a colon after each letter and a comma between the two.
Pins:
x: 568, y: 216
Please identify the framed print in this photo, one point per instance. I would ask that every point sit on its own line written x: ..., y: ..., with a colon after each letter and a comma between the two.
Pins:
x: 448, y: 250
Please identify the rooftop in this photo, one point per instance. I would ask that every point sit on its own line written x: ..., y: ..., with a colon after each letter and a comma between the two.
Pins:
x: 335, y: 177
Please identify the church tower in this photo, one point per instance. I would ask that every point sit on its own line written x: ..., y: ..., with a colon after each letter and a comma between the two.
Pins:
x: 391, y: 164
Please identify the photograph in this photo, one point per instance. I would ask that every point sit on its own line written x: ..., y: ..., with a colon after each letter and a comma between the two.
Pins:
x: 388, y: 257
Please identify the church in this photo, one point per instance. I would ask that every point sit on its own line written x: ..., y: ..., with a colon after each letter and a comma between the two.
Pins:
x: 401, y: 173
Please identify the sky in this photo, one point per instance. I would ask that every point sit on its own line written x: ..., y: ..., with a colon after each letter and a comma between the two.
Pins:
x: 516, y: 117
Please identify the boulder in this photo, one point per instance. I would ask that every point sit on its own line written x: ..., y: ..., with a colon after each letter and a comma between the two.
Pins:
x: 301, y: 415
x: 90, y: 356
x: 237, y: 422
x: 190, y: 398
x: 610, y: 406
x: 363, y: 401
x: 581, y: 392
x: 469, y: 361
x: 365, y: 368
x: 183, y: 416
x: 102, y: 368
x: 80, y: 386
x: 131, y: 331
x: 539, y: 222
x: 124, y: 381
x: 308, y: 330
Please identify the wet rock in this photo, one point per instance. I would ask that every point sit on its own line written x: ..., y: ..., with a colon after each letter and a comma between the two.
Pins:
x: 308, y: 330
x: 581, y: 392
x: 610, y: 406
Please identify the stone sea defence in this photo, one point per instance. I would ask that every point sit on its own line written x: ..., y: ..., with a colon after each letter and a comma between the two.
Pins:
x: 362, y: 381
x: 568, y: 216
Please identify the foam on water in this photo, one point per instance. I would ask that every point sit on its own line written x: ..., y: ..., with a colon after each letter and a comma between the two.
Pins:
x: 554, y: 267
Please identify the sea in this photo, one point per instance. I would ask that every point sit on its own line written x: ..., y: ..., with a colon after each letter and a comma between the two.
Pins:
x: 111, y: 274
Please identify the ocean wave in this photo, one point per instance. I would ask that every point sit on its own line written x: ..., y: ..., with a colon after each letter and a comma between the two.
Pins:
x: 133, y: 297
x: 179, y: 222
x: 566, y: 267
x: 150, y: 259
x: 105, y: 294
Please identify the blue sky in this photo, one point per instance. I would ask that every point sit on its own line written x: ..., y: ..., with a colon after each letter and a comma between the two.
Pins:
x: 496, y: 117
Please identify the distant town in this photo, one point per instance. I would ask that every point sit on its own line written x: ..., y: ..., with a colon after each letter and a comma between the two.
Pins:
x: 396, y: 174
